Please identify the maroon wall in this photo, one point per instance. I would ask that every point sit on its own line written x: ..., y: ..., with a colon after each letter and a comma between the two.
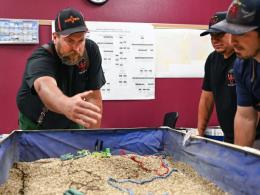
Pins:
x: 180, y: 95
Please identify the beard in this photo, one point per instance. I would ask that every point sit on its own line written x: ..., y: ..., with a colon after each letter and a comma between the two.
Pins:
x: 69, y: 58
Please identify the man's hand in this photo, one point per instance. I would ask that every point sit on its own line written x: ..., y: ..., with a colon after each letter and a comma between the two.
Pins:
x: 81, y: 111
x: 84, y: 108
x: 190, y: 133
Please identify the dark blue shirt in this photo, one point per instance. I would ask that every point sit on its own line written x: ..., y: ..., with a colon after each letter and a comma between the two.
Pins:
x: 247, y: 75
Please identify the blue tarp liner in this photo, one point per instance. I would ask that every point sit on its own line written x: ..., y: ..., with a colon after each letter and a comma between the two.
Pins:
x: 233, y: 170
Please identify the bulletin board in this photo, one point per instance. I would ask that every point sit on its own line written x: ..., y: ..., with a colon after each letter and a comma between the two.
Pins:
x: 19, y: 31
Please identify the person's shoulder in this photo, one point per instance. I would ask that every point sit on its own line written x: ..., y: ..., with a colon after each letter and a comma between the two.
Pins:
x: 92, y: 48
x: 214, y: 54
x: 42, y: 51
x: 90, y: 43
x: 240, y: 65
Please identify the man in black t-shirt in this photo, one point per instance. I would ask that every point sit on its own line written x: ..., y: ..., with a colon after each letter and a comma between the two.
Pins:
x: 219, y: 86
x: 62, y: 80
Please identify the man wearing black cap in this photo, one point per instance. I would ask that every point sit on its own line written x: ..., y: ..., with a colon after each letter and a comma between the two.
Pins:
x: 62, y: 80
x: 243, y: 22
x: 219, y: 86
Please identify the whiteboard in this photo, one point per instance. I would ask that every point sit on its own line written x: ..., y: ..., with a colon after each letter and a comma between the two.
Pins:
x: 181, y: 53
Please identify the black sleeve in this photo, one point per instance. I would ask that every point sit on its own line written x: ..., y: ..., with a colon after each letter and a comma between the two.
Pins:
x: 96, y: 78
x: 41, y: 63
x: 207, y: 71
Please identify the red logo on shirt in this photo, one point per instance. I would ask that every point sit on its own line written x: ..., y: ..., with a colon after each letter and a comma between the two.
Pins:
x: 82, y: 66
x: 231, y: 78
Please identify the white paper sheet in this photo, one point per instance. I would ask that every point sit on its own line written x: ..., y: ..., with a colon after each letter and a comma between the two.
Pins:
x: 128, y: 56
x: 181, y: 53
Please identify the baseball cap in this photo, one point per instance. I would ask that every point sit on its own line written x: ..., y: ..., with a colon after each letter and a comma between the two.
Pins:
x: 243, y: 16
x: 69, y: 21
x: 217, y: 17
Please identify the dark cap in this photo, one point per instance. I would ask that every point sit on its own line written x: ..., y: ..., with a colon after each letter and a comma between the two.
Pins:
x: 243, y: 16
x: 217, y: 17
x: 70, y: 21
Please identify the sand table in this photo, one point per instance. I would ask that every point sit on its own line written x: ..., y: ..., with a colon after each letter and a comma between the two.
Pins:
x: 90, y: 175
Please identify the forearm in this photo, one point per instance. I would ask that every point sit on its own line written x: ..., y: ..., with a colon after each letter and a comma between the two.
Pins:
x: 204, y: 115
x: 51, y: 96
x: 96, y: 99
x: 245, y: 125
x: 206, y: 105
x: 78, y: 108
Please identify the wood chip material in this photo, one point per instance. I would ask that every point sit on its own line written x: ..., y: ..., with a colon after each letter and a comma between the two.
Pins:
x: 89, y: 175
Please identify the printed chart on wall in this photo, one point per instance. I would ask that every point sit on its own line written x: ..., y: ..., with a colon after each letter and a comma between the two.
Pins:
x: 128, y: 59
x: 19, y: 31
x: 181, y: 53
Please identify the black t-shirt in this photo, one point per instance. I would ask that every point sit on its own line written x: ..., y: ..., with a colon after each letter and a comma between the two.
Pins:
x: 219, y: 79
x: 70, y: 80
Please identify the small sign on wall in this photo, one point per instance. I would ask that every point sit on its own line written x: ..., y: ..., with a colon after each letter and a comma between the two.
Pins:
x: 19, y: 31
